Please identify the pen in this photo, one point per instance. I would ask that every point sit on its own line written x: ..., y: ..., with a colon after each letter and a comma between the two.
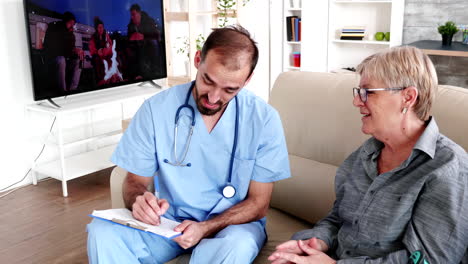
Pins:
x: 157, y: 198
x: 156, y: 192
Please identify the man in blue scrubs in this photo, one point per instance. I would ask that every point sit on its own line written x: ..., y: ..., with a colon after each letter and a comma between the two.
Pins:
x: 190, y: 178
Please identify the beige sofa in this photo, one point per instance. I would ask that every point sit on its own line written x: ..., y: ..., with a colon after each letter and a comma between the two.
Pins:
x: 322, y: 128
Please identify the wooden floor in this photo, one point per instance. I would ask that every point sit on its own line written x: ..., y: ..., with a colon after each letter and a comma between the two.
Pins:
x: 39, y: 225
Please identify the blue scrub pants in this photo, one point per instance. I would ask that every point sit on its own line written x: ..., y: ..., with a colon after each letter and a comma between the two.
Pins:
x: 113, y: 243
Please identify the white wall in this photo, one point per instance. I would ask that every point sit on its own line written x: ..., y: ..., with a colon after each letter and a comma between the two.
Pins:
x: 22, y: 136
x: 20, y: 140
x: 255, y: 18
x: 276, y: 39
x: 15, y: 93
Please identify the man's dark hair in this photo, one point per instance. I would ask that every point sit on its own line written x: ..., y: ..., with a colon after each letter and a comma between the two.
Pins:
x: 67, y: 16
x: 135, y: 7
x: 231, y: 41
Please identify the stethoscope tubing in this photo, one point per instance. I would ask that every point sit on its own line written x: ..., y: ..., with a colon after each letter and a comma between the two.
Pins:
x: 192, y: 110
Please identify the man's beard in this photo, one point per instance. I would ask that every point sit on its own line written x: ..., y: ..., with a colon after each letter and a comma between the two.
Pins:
x: 203, y: 110
x: 207, y: 111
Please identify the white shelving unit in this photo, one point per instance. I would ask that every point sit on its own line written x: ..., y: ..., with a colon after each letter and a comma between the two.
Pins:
x: 362, y: 42
x: 290, y: 46
x: 314, y: 35
x: 98, y: 149
x: 375, y: 16
x: 322, y: 20
x: 77, y: 165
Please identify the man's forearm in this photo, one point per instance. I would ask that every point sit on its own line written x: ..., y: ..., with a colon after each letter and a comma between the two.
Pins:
x: 131, y: 189
x: 246, y: 211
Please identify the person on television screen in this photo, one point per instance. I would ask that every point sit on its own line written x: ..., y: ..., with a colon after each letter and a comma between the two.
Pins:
x: 64, y: 56
x: 144, y: 44
x: 100, y: 48
x: 219, y: 184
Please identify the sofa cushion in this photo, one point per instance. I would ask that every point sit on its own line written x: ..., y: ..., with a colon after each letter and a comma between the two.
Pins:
x: 280, y: 227
x: 309, y: 194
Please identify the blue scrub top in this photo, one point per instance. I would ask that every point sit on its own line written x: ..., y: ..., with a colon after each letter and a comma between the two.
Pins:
x: 195, y: 192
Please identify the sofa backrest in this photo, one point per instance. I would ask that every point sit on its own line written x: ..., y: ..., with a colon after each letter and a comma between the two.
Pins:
x: 451, y: 113
x: 319, y: 119
x: 322, y: 127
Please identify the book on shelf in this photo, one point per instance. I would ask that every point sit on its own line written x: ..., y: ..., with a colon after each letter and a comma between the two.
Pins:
x: 288, y: 28
x: 353, y: 30
x: 352, y: 33
x: 300, y: 29
x: 350, y: 38
x: 296, y: 28
x: 292, y: 28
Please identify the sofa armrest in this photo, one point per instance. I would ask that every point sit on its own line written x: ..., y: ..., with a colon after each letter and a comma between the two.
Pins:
x: 116, y: 181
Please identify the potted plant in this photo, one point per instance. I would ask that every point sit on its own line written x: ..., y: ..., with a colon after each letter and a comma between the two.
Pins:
x: 185, y: 46
x: 227, y: 8
x: 200, y: 41
x: 184, y: 49
x: 447, y: 31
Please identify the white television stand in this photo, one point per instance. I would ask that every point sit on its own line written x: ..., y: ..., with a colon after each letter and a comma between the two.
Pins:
x: 70, y: 167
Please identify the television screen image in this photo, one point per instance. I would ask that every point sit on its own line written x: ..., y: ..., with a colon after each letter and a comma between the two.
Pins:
x: 82, y: 45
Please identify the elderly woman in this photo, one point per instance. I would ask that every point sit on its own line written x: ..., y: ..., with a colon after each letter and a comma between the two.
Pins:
x: 402, y: 197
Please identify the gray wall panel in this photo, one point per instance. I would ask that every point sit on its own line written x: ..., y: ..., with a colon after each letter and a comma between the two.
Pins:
x: 422, y: 17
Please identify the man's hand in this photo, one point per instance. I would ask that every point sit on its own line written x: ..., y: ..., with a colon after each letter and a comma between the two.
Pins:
x: 79, y: 52
x: 293, y: 247
x: 312, y: 256
x: 192, y: 233
x: 148, y: 209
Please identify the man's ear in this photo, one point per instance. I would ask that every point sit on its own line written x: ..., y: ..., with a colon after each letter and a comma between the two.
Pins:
x: 410, y: 96
x: 197, y: 59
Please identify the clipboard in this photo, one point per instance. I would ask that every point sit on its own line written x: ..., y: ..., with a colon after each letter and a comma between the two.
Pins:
x: 124, y: 217
x: 129, y: 224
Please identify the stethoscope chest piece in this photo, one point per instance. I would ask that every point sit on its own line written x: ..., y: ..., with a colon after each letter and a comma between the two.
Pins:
x: 229, y: 191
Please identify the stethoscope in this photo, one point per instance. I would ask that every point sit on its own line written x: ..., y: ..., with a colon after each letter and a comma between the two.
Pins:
x: 228, y: 191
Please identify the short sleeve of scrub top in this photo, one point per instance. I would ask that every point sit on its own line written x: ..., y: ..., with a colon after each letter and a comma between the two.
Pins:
x: 136, y: 151
x: 271, y: 163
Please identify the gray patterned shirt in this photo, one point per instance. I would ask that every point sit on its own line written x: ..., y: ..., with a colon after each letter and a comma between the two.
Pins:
x: 420, y: 205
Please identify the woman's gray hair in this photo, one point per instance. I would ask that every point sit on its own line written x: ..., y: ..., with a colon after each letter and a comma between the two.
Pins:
x: 404, y: 67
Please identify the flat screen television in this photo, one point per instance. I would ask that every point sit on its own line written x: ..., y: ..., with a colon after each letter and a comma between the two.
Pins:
x: 78, y: 46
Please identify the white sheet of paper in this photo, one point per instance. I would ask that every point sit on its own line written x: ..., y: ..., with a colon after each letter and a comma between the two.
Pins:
x: 166, y: 228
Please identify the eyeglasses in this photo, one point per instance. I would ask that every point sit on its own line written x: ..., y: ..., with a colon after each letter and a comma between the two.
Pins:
x: 362, y: 92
